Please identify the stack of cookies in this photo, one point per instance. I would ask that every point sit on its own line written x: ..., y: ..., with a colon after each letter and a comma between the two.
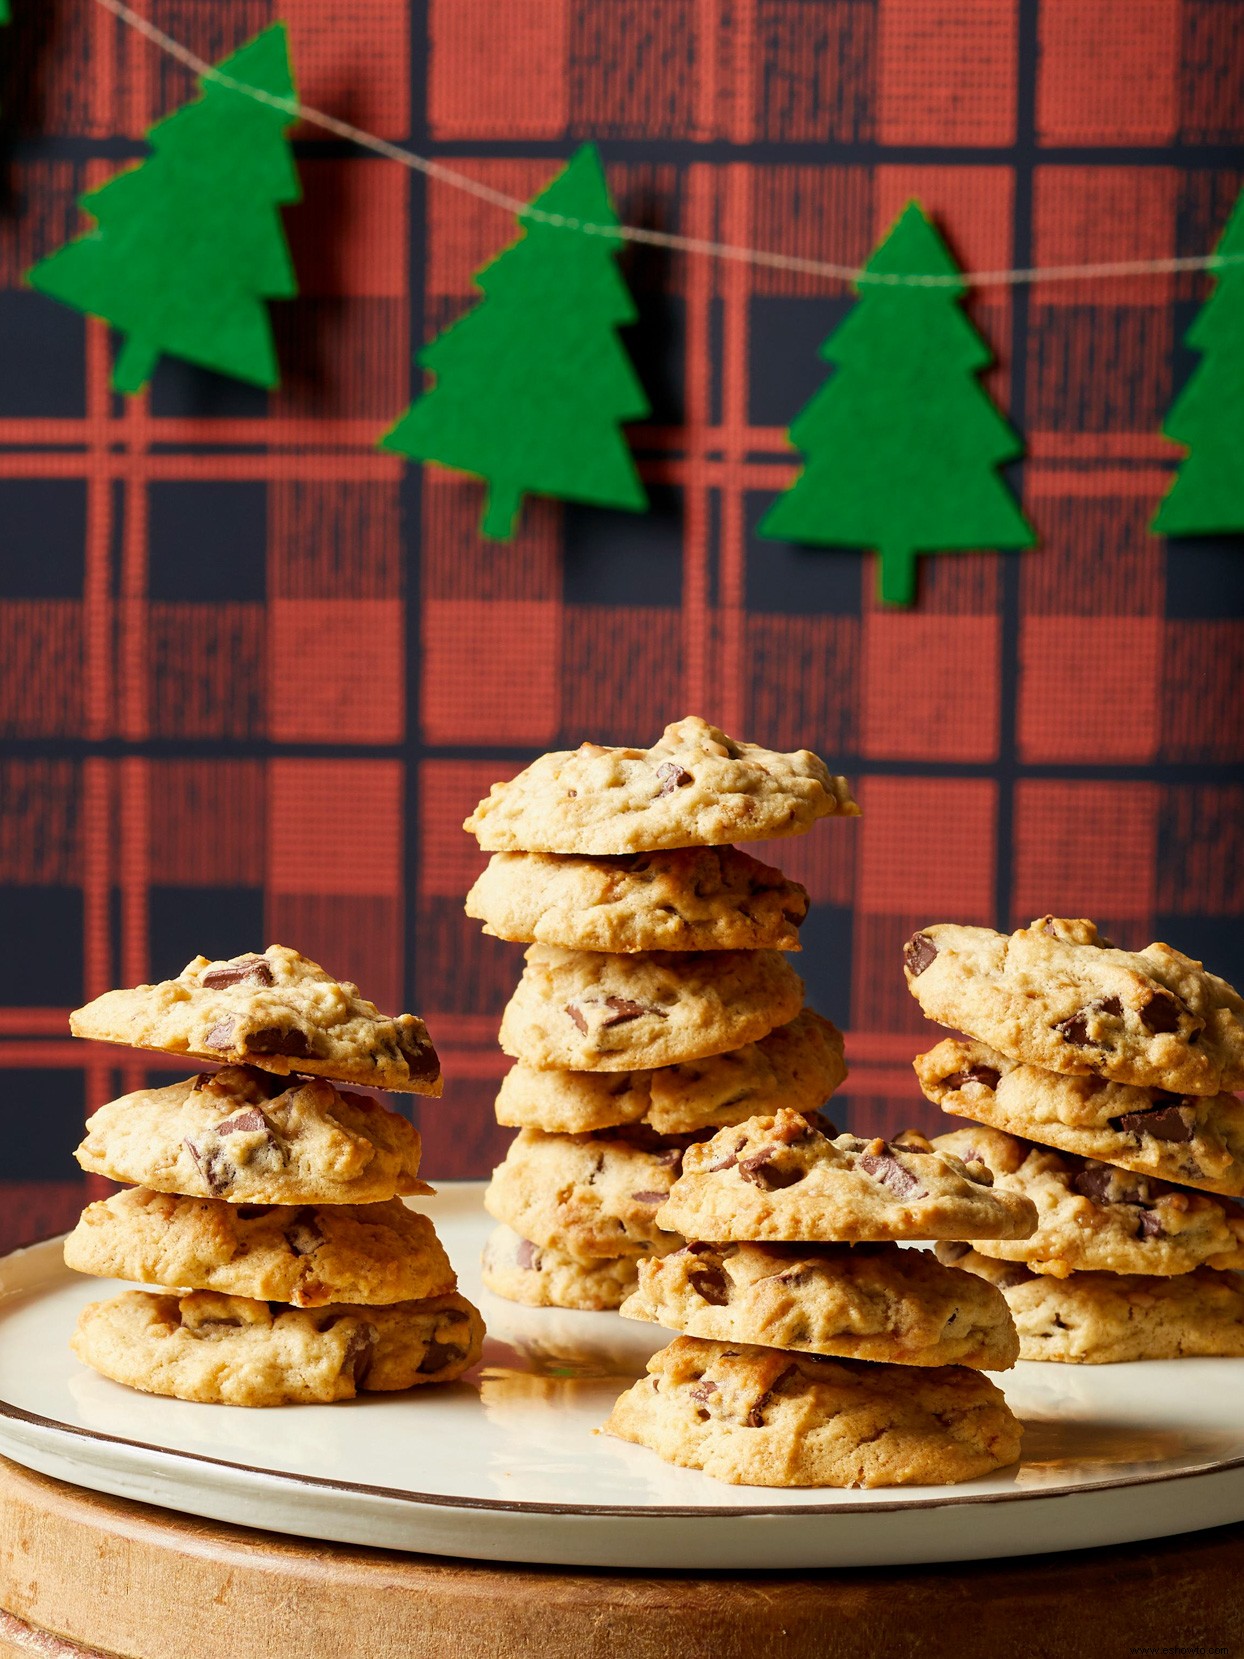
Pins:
x: 1104, y: 1080
x: 656, y: 1004
x: 267, y: 1202
x: 816, y: 1351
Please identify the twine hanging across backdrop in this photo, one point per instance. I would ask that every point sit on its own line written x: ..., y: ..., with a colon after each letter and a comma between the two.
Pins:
x: 551, y: 450
x: 700, y: 246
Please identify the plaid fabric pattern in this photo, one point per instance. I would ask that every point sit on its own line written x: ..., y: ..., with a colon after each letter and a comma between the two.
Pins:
x: 253, y: 673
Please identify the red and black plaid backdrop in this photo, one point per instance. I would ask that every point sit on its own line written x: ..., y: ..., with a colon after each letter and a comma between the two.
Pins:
x: 253, y: 672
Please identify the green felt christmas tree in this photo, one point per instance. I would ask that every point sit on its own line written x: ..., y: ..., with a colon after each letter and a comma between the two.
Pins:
x: 190, y: 242
x: 901, y: 445
x: 1207, y: 417
x: 533, y: 385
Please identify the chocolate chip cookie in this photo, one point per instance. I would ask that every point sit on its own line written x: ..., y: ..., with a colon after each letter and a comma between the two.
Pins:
x: 1095, y: 1218
x: 780, y: 1178
x: 593, y: 1011
x: 231, y: 1350
x: 1104, y: 1318
x: 1197, y: 1140
x: 587, y: 1195
x: 543, y: 1277
x: 759, y: 1417
x: 1055, y: 995
x: 277, y: 1011
x: 308, y: 1256
x: 252, y: 1138
x: 693, y: 898
x: 696, y: 787
x: 797, y: 1065
x: 859, y: 1301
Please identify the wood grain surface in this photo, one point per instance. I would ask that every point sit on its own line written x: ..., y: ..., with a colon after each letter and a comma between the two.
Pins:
x: 85, y: 1574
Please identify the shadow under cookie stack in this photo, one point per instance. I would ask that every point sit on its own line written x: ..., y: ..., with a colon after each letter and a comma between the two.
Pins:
x: 656, y: 1004
x: 267, y: 1202
x: 1103, y: 1081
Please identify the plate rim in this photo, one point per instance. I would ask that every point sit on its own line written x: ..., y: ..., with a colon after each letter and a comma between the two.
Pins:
x: 437, y: 1500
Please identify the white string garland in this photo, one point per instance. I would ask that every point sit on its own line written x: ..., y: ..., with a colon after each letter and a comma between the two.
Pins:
x: 658, y: 238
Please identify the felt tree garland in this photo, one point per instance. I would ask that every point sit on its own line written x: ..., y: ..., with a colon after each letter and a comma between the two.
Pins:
x: 190, y: 242
x: 1207, y: 417
x: 533, y: 385
x: 901, y: 444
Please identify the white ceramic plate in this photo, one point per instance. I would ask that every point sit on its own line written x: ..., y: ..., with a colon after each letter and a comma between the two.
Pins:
x: 505, y: 1465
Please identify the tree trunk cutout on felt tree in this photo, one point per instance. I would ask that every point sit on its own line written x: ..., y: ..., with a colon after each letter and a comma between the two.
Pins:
x: 189, y: 244
x: 532, y: 385
x: 1207, y: 417
x: 901, y: 444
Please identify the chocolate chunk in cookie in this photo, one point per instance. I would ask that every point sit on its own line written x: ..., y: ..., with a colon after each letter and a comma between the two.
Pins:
x: 237, y: 1351
x: 1054, y: 995
x: 859, y: 1301
x: 249, y: 1137
x: 267, y: 1011
x: 755, y: 1416
x: 782, y: 1178
x: 692, y: 899
x: 696, y: 787
x: 1195, y: 1140
x: 1094, y: 1217
x: 597, y: 1011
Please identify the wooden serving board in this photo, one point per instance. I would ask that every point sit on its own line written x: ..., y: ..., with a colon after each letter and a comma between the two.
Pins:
x: 82, y: 1574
